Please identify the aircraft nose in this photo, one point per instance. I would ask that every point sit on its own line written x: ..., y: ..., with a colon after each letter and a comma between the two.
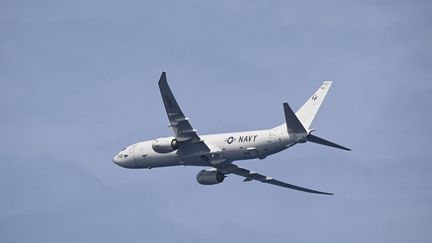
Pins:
x: 116, y: 160
x: 124, y: 161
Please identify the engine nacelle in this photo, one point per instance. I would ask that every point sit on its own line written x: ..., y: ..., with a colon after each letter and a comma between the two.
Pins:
x: 210, y: 177
x: 165, y: 145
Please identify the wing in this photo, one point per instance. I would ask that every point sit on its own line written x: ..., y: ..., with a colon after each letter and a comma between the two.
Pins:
x: 188, y: 139
x: 250, y: 175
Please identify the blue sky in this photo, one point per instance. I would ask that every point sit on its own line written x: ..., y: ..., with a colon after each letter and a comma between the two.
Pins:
x: 79, y: 82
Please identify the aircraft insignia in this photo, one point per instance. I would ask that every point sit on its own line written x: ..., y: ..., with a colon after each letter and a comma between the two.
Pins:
x: 241, y: 139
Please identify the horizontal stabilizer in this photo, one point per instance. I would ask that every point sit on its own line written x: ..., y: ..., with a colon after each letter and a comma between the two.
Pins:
x: 292, y: 122
x: 315, y: 139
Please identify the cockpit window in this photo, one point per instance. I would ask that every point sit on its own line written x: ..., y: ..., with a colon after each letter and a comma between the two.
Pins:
x: 120, y: 156
x: 125, y: 155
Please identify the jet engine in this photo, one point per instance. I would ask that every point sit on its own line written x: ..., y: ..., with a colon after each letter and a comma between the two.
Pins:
x: 210, y: 177
x: 165, y: 145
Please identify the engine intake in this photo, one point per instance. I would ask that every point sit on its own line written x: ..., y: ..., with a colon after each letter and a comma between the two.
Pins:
x: 210, y: 177
x: 165, y: 145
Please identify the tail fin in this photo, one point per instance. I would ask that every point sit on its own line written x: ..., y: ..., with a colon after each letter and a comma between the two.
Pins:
x: 298, y: 124
x: 294, y: 127
x: 307, y: 112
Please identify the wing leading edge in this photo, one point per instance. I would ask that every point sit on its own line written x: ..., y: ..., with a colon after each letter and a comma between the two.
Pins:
x: 250, y: 175
x: 183, y: 130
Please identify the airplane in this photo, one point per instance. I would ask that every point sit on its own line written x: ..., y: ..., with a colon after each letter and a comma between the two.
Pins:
x: 219, y: 151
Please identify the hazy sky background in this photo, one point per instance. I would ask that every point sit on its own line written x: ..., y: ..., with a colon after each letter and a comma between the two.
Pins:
x: 78, y: 82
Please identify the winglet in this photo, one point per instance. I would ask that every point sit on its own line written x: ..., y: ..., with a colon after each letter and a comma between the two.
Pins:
x: 163, y: 77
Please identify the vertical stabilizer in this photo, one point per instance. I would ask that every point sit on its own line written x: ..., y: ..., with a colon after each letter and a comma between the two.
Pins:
x: 307, y: 112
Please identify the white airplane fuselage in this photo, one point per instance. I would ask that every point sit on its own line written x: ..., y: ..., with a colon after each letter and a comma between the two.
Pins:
x: 224, y: 147
x: 218, y: 151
